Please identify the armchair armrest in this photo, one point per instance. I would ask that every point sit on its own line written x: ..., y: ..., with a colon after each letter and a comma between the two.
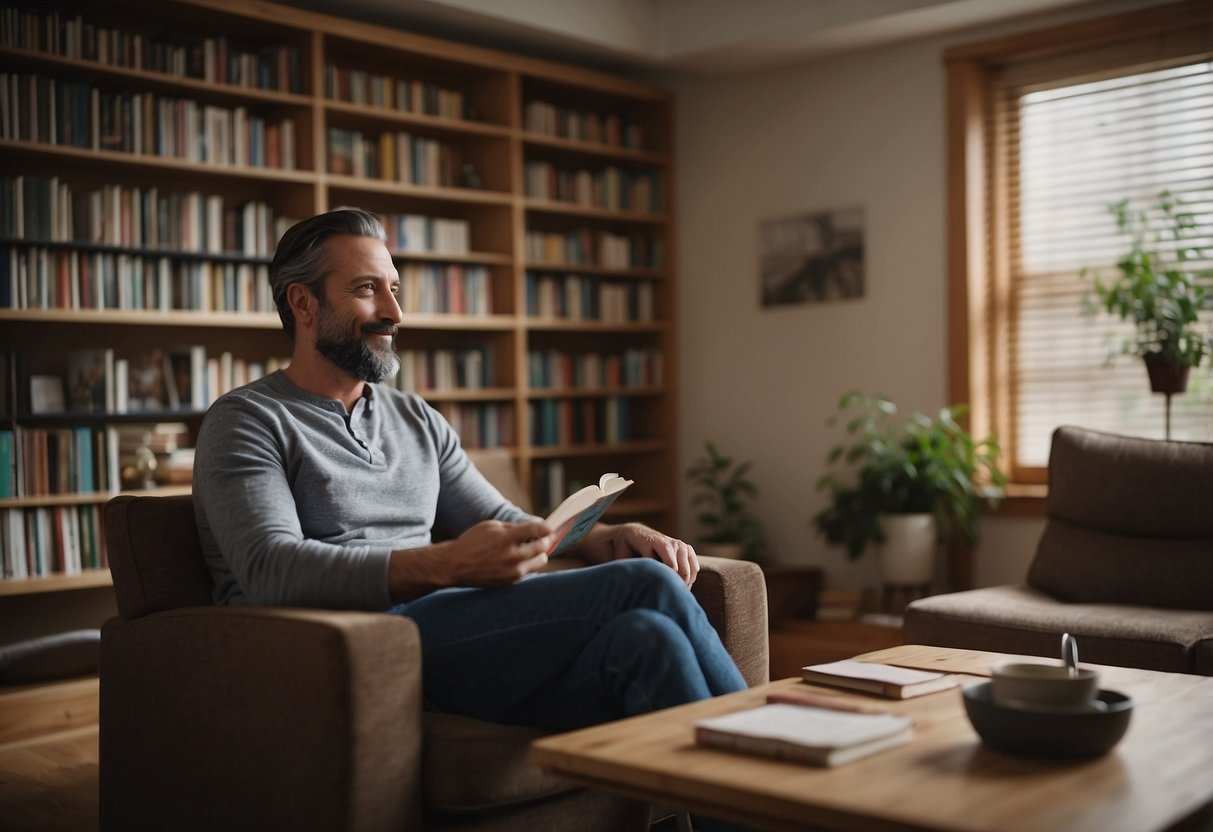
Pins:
x: 259, y: 718
x: 734, y: 595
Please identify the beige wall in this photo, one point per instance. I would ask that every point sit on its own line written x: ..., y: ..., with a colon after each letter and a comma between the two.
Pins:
x: 866, y: 130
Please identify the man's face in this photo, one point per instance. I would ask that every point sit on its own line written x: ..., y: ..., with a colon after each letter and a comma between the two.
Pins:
x: 358, y: 313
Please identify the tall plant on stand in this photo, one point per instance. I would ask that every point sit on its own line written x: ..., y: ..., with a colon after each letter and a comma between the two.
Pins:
x: 1157, y: 289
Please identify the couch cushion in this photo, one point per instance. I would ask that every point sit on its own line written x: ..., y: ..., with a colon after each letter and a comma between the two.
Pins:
x: 469, y: 765
x: 1020, y: 619
x: 1129, y: 522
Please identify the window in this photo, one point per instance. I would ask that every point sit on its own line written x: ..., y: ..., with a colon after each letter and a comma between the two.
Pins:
x: 1046, y: 132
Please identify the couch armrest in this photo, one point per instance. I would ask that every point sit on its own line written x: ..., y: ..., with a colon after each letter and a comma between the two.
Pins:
x: 734, y: 595
x: 260, y: 718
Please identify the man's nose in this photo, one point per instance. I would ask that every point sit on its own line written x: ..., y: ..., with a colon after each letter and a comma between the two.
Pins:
x: 389, y: 306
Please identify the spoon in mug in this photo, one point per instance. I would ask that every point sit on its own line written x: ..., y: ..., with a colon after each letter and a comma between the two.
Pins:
x: 1069, y: 653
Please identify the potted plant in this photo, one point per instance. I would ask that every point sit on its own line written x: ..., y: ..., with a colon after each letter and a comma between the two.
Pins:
x: 1157, y: 290
x: 917, y: 481
x: 723, y: 491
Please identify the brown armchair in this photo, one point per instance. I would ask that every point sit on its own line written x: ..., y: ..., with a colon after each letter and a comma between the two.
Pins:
x: 273, y: 718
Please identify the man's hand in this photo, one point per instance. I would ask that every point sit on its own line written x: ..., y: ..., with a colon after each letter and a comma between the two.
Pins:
x: 636, y: 540
x: 491, y: 553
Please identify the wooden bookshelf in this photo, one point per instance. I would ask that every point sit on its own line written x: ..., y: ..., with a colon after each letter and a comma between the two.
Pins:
x: 437, y: 136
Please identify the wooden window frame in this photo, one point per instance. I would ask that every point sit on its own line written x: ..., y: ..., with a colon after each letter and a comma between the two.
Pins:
x: 979, y: 246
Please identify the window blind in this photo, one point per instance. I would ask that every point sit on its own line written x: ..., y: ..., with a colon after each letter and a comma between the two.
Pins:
x: 1072, y: 151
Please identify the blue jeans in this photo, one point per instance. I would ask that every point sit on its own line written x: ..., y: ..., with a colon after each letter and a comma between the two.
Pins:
x: 568, y: 649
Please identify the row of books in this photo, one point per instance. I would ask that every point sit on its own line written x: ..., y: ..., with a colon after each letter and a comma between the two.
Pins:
x: 273, y: 67
x: 91, y: 459
x: 610, y: 187
x: 425, y: 234
x: 408, y: 96
x: 583, y: 125
x: 153, y: 381
x: 42, y: 278
x: 548, y: 485
x: 46, y: 209
x: 580, y: 421
x: 41, y: 461
x: 51, y: 540
x: 595, y: 247
x: 445, y: 369
x: 446, y: 288
x: 594, y: 370
x: 480, y: 424
x: 45, y: 110
x: 392, y: 157
x: 578, y: 298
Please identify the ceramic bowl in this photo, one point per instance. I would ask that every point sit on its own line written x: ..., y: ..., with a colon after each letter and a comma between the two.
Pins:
x: 1048, y: 733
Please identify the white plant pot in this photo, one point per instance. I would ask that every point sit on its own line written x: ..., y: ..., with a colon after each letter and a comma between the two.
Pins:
x: 907, y: 556
x: 720, y: 550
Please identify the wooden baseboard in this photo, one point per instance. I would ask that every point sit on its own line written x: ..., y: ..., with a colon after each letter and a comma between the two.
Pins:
x: 28, y: 711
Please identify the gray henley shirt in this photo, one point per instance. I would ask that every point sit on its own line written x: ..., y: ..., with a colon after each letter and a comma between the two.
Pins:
x: 299, y: 503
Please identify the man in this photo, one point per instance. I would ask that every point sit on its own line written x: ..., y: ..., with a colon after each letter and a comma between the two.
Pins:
x: 319, y: 486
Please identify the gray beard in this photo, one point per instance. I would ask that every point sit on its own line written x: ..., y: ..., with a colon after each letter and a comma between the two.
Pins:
x: 353, y: 354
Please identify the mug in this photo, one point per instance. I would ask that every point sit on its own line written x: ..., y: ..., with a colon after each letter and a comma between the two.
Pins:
x: 1044, y: 686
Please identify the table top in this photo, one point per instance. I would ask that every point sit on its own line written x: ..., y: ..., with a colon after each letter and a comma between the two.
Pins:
x: 1160, y: 774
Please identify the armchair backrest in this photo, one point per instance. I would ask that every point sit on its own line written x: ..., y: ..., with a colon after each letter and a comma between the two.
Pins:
x: 1130, y: 521
x: 154, y: 555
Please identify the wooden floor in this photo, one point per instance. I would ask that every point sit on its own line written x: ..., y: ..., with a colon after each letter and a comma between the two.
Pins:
x: 48, y: 743
x: 50, y: 782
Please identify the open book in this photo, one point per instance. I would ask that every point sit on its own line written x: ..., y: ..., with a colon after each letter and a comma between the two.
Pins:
x: 881, y: 679
x: 581, y: 510
x: 818, y: 736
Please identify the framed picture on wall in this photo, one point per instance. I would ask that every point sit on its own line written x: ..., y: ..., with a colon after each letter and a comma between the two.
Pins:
x: 809, y: 258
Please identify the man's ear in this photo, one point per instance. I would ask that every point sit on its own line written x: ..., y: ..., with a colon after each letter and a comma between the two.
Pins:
x: 303, y: 303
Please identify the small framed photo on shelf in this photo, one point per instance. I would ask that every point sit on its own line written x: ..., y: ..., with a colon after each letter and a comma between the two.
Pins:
x: 810, y: 258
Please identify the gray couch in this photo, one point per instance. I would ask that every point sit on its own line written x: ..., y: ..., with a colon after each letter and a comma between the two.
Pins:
x: 1125, y: 563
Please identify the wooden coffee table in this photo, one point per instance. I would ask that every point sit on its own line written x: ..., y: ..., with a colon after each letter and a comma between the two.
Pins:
x: 1158, y: 777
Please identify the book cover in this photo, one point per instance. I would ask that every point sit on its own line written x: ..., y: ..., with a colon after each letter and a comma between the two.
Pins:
x: 573, y: 518
x: 818, y: 736
x: 881, y: 679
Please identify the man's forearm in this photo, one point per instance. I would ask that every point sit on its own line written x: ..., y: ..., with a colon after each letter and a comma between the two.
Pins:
x: 416, y: 572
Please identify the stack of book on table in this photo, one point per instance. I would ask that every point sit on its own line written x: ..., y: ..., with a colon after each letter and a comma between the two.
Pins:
x: 818, y: 736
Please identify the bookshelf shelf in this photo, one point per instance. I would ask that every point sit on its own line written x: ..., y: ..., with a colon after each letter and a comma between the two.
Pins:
x: 551, y: 206
x: 433, y: 192
x: 594, y: 149
x: 158, y: 164
x: 56, y: 583
x: 644, y: 446
x: 467, y: 105
x: 557, y: 325
x: 438, y: 125
x: 178, y: 318
x: 86, y: 70
x: 592, y: 392
x: 91, y: 498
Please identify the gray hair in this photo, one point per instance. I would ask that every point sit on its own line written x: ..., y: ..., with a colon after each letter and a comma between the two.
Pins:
x: 302, y: 258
